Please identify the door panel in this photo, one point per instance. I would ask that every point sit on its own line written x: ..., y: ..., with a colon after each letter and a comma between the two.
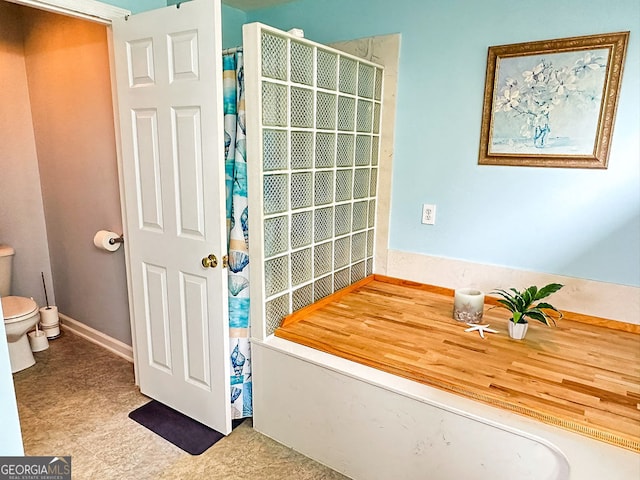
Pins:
x: 169, y: 77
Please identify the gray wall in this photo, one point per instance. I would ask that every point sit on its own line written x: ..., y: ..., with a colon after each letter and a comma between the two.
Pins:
x: 22, y: 222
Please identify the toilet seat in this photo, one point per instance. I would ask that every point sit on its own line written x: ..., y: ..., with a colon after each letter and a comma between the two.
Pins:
x: 16, y: 309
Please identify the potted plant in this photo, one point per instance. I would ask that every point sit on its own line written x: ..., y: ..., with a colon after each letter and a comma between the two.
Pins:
x: 523, y: 306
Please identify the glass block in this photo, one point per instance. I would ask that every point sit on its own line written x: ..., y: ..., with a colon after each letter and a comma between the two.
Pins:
x: 370, y: 242
x: 378, y: 88
x: 275, y: 193
x: 346, y: 113
x: 369, y: 267
x: 325, y: 111
x: 301, y: 63
x: 301, y: 150
x: 274, y: 146
x: 301, y: 229
x: 300, y: 266
x: 343, y: 184
x: 361, y: 183
x: 326, y: 75
x: 301, y: 190
x: 358, y: 246
x: 323, y: 188
x: 323, y: 224
x: 363, y: 150
x: 341, y: 252
x: 275, y: 311
x: 274, y: 56
x: 302, y: 297
x: 344, y: 150
x: 372, y: 214
x: 342, y: 219
x: 341, y: 279
x: 375, y: 150
x: 323, y: 287
x: 366, y: 82
x: 301, y: 107
x: 322, y: 259
x: 373, y: 182
x: 357, y: 272
x: 376, y: 118
x: 325, y: 150
x: 348, y: 75
x: 276, y: 275
x: 359, y: 216
x: 274, y: 104
x: 364, y: 117
x: 276, y: 235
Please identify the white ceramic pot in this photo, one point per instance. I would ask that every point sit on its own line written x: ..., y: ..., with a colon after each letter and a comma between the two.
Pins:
x: 517, y: 331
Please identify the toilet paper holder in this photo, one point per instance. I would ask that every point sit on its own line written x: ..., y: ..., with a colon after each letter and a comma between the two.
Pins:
x: 120, y: 239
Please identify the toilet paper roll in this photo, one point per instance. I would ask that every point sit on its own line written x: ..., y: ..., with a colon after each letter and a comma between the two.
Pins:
x: 52, y: 331
x: 49, y: 315
x: 102, y: 238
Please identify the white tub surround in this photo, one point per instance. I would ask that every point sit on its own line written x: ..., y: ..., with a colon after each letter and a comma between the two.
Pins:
x: 598, y: 299
x: 371, y: 425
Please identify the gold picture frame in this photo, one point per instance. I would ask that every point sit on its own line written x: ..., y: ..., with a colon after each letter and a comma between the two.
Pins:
x: 552, y: 103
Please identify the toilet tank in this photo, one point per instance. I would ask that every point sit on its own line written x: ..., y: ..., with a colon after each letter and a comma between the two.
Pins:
x: 6, y: 262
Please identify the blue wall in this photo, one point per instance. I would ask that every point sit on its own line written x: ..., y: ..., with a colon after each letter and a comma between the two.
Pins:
x: 232, y: 21
x: 136, y: 6
x: 574, y: 222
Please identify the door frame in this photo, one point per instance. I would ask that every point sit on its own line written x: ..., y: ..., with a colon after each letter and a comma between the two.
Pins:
x: 104, y: 14
x: 86, y: 9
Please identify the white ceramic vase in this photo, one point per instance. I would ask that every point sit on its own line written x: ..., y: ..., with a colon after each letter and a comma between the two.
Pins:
x: 517, y: 331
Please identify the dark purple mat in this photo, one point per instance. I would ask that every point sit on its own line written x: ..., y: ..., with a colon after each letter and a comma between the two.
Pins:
x: 184, y: 432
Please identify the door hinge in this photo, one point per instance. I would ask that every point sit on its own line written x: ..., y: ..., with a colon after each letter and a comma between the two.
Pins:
x: 225, y: 261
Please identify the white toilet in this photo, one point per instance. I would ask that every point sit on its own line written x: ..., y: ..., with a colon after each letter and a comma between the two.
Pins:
x: 20, y: 316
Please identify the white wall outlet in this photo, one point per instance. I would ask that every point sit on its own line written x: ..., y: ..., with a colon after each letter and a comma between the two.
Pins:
x: 428, y: 214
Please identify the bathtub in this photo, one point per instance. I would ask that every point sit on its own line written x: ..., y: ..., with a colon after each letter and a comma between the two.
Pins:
x: 369, y: 425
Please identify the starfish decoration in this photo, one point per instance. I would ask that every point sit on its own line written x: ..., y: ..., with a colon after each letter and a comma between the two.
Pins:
x: 480, y: 329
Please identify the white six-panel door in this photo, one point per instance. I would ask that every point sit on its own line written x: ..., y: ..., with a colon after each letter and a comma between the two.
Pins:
x: 169, y: 87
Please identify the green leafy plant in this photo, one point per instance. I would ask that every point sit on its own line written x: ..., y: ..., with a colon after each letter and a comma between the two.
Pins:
x: 522, y: 304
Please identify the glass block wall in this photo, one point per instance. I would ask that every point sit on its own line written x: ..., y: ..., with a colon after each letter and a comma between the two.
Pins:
x: 320, y: 134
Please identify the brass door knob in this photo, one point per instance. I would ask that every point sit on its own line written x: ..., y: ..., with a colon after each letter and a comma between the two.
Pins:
x: 210, y: 261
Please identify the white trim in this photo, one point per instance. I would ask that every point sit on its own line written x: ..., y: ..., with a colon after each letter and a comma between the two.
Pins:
x: 86, y: 9
x: 94, y: 336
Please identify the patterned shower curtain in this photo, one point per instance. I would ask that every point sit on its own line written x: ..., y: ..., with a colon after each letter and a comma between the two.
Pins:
x: 238, y: 234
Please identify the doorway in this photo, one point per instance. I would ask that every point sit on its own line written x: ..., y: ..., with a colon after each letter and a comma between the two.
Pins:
x: 63, y: 149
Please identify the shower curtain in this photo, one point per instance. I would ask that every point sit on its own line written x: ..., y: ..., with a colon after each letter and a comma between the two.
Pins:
x: 238, y: 233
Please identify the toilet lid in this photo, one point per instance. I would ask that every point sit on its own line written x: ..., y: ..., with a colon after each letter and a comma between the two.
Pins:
x: 14, y: 307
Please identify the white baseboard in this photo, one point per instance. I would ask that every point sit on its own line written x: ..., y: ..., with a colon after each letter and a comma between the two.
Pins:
x: 94, y: 336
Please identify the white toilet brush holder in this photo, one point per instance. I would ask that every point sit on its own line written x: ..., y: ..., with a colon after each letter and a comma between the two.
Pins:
x: 38, y: 340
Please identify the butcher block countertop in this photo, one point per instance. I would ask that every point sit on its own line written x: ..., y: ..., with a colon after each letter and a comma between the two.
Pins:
x: 582, y: 375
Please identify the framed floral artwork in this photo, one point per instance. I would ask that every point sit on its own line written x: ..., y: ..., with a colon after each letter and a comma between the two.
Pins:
x: 552, y: 103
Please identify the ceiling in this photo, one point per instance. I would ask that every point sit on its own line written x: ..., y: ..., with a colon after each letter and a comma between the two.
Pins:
x: 247, y: 5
